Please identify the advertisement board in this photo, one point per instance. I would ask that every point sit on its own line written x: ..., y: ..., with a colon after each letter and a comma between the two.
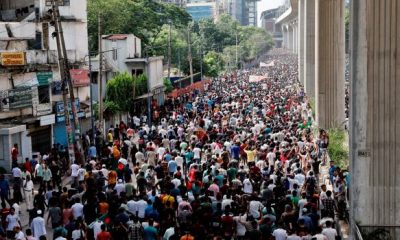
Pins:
x: 13, y: 58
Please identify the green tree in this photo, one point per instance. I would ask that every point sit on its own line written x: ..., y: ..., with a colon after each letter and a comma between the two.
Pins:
x: 143, y: 18
x: 168, y: 86
x: 213, y: 64
x: 120, y: 92
x: 140, y: 85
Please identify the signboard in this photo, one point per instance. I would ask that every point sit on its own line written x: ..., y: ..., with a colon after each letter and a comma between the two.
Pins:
x: 20, y: 97
x: 42, y: 109
x: 80, y: 77
x: 60, y: 107
x: 13, y: 58
x: 61, y: 118
x: 56, y: 88
x: 44, y: 78
x: 47, y: 120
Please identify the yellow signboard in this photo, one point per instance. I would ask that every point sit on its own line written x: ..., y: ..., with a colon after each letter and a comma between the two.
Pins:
x: 13, y: 58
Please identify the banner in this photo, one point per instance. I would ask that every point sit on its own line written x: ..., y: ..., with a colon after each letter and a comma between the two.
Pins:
x: 263, y: 64
x: 256, y: 79
x: 20, y: 97
x: 13, y: 58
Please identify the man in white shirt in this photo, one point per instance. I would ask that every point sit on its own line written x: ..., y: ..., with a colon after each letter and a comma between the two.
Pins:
x: 329, y: 232
x: 196, y: 154
x: 74, y: 173
x: 119, y: 187
x: 38, y: 226
x: 279, y: 234
x: 255, y: 208
x: 247, y: 186
x: 77, y: 209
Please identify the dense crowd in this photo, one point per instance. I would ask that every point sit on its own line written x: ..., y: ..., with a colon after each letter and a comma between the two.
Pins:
x: 240, y: 160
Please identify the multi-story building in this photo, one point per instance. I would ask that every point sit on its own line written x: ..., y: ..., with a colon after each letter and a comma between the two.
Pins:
x: 123, y: 53
x: 31, y: 109
x: 200, y: 9
x: 244, y: 11
x: 268, y: 22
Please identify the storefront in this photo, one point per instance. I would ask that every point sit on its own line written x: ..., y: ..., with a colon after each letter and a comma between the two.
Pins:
x: 10, y: 135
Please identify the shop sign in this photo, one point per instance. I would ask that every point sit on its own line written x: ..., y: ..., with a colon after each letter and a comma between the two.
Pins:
x: 42, y: 109
x: 47, y: 120
x: 60, y: 107
x: 44, y: 78
x: 20, y: 97
x: 61, y: 118
x: 80, y: 77
x: 13, y: 58
x: 56, y: 88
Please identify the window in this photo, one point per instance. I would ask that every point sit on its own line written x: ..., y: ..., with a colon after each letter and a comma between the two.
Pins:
x: 115, y: 54
x: 60, y: 2
x: 139, y: 72
x: 44, y: 96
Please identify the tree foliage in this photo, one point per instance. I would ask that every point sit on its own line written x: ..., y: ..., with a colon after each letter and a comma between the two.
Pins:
x: 168, y: 86
x: 120, y: 97
x: 143, y: 18
x: 213, y: 63
x: 217, y: 38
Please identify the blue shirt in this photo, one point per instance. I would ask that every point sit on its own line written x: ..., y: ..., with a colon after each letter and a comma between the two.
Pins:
x: 4, y: 187
x: 235, y: 150
x: 92, y: 152
x: 172, y: 166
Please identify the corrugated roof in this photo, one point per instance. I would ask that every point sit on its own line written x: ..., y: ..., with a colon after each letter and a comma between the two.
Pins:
x: 116, y: 37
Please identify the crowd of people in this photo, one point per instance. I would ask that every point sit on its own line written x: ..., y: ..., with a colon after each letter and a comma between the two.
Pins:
x: 239, y: 160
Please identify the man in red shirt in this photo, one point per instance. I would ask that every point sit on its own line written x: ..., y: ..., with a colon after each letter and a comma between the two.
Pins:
x: 104, y: 235
x: 14, y: 153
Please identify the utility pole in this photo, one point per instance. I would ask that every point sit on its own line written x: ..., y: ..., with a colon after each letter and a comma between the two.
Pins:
x: 61, y: 63
x: 190, y: 56
x: 68, y: 79
x: 100, y: 77
x: 169, y: 52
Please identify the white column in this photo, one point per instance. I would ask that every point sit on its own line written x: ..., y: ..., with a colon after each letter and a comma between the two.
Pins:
x: 329, y: 63
x: 375, y: 114
x: 294, y: 38
x: 309, y: 48
x: 301, y: 27
x: 290, y: 43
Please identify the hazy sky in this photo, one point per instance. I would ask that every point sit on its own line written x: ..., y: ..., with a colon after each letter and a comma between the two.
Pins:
x: 266, y: 4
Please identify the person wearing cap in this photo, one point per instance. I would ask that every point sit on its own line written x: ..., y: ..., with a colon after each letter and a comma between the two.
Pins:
x: 120, y: 187
x: 38, y: 225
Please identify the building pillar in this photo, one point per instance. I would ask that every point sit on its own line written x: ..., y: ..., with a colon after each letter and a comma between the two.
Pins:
x: 309, y: 48
x: 329, y: 63
x: 284, y: 36
x: 294, y: 37
x: 290, y: 43
x: 301, y: 28
x: 375, y: 114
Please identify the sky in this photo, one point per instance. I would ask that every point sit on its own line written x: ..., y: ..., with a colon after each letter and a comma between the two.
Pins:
x: 266, y: 4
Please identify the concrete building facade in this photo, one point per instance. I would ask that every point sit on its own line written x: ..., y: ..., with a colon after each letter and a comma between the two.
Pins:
x: 374, y: 115
x: 123, y: 53
x: 30, y: 82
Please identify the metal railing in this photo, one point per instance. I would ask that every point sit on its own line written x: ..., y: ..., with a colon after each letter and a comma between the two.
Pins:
x: 376, y: 232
